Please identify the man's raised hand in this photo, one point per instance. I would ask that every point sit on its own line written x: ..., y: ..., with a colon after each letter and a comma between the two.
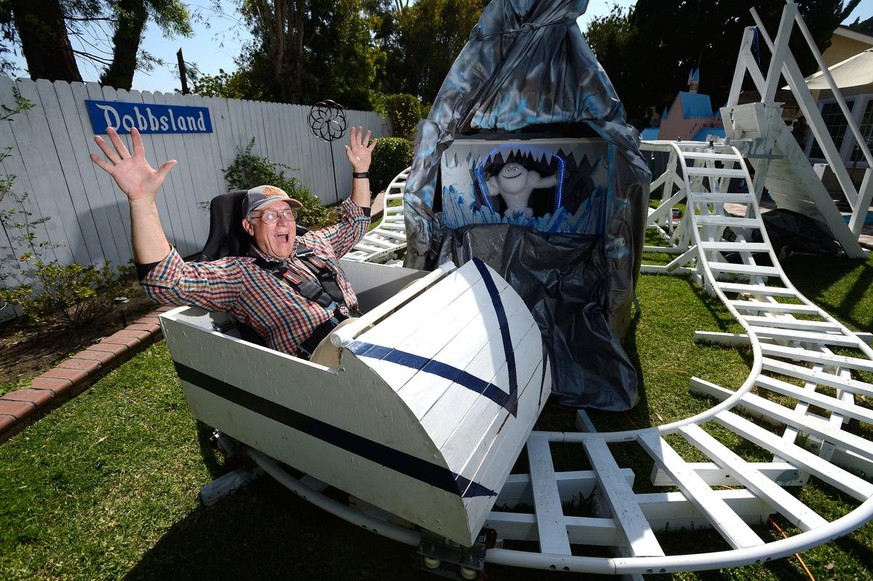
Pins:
x: 133, y: 174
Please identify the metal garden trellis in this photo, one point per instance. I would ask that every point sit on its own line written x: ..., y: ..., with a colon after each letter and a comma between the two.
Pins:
x: 327, y: 121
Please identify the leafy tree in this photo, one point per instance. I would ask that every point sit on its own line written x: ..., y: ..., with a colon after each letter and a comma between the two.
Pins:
x: 170, y: 15
x: 42, y: 30
x: 404, y: 111
x: 863, y: 26
x: 226, y: 85
x: 649, y: 51
x: 31, y: 24
x: 309, y: 50
x: 423, y: 42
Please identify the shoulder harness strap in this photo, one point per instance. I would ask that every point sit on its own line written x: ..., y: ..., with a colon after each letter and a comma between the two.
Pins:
x: 326, y: 293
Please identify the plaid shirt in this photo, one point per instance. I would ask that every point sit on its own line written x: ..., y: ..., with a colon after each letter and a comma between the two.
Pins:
x: 257, y: 297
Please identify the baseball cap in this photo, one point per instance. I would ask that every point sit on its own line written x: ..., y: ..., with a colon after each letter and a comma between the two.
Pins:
x: 263, y: 196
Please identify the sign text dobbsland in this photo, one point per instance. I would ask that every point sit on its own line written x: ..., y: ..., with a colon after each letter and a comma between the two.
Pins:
x: 147, y: 117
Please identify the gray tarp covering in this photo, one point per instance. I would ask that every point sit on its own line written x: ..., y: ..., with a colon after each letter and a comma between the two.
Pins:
x: 527, y: 72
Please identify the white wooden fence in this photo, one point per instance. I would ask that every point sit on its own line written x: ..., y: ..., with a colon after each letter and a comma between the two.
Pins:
x: 88, y: 218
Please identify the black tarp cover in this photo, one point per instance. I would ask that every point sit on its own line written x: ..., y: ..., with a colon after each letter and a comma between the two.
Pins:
x: 528, y: 71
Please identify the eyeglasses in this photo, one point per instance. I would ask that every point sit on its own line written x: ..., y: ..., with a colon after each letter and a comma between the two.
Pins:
x: 272, y: 216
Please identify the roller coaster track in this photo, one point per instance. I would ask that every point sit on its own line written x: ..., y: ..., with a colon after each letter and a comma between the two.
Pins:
x: 802, y: 406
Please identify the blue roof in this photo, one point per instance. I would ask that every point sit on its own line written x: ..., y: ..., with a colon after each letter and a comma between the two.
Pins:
x: 705, y: 131
x: 650, y: 133
x: 695, y: 105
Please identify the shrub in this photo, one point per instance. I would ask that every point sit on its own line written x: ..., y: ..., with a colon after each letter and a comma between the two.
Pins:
x: 404, y: 111
x: 72, y: 295
x: 249, y: 171
x: 391, y: 156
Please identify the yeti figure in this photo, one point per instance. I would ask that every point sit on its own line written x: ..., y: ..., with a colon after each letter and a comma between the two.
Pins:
x: 515, y: 183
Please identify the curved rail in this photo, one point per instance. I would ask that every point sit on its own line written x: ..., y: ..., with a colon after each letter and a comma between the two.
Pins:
x: 383, y: 242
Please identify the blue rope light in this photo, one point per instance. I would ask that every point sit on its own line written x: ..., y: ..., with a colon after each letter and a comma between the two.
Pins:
x: 479, y: 171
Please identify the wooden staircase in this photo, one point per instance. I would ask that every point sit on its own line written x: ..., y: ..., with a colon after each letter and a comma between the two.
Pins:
x: 759, y: 133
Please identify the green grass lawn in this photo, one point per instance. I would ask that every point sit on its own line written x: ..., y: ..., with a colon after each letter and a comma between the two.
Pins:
x: 106, y: 486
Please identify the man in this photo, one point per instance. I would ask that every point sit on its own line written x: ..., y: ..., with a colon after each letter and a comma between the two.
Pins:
x: 290, y: 290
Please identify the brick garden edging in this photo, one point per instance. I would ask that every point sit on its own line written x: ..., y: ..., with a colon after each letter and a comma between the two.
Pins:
x: 21, y: 407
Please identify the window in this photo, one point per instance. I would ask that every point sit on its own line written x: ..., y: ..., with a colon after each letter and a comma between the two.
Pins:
x: 836, y: 124
x: 867, y: 125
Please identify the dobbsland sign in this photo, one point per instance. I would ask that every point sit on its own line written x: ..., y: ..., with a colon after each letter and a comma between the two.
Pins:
x: 147, y: 117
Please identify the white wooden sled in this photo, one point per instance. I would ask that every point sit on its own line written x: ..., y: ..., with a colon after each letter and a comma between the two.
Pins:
x: 437, y: 390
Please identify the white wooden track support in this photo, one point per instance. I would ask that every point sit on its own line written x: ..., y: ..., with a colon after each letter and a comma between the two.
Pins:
x: 802, y: 413
x: 803, y: 386
x: 383, y: 242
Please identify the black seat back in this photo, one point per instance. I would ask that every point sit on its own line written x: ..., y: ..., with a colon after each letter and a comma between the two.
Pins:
x: 226, y: 234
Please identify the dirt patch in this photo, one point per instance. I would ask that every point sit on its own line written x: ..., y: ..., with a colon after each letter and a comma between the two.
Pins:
x: 28, y: 350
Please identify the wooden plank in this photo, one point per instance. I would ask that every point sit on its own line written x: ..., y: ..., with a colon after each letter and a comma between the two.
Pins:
x: 810, y: 424
x: 799, y: 354
x: 191, y: 147
x: 620, y: 496
x: 488, y: 364
x: 424, y: 332
x: 807, y: 337
x: 835, y: 405
x: 206, y: 179
x: 714, y: 172
x: 178, y: 182
x: 837, y: 477
x: 547, y: 502
x: 790, y: 507
x: 71, y: 202
x: 782, y: 473
x: 225, y: 147
x: 35, y: 147
x: 108, y: 204
x: 818, y: 377
x: 489, y: 452
x: 600, y: 532
x: 490, y: 459
x: 785, y: 322
x: 710, y: 155
x: 670, y: 511
x: 724, y: 246
x: 745, y: 269
x: 732, y: 528
x: 82, y: 181
x: 748, y: 305
x: 756, y: 289
x: 718, y: 220
x: 409, y: 318
x: 572, y: 485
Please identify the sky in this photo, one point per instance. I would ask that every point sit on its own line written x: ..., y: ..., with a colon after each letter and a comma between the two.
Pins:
x: 219, y: 37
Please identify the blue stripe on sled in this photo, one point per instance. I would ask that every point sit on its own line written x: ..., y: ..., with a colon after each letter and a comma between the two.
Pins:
x: 509, y: 401
x: 396, y: 460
